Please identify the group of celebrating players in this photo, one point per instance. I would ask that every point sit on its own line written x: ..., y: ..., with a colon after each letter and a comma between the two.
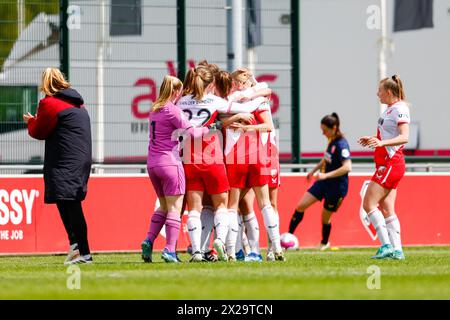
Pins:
x: 213, y: 149
x: 227, y: 157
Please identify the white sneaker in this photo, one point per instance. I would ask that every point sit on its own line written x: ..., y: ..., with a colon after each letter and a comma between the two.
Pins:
x: 87, y: 259
x: 196, y: 257
x: 221, y: 250
x: 72, y: 254
x: 324, y: 247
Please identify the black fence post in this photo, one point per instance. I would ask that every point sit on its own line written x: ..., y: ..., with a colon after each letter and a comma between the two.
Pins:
x: 63, y: 38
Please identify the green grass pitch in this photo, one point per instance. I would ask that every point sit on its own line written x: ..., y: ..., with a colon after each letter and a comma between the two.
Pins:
x: 307, y: 274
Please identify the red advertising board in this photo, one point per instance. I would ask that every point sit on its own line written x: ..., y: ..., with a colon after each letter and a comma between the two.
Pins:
x: 118, y: 210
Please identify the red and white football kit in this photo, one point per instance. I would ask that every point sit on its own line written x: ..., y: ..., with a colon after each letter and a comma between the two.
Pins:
x: 389, y: 160
x: 203, y: 158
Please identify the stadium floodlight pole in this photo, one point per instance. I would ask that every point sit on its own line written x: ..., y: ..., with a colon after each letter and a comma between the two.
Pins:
x: 382, y: 66
x: 295, y: 82
x: 100, y: 146
x: 237, y: 28
x: 181, y: 38
x: 64, y: 38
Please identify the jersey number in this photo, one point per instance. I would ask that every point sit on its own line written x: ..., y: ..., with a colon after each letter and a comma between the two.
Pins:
x: 199, y: 113
x: 153, y: 125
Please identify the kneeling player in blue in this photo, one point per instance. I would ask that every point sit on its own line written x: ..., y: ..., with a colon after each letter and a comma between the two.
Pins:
x: 331, y: 182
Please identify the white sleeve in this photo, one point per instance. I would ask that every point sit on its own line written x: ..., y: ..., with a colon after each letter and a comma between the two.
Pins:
x: 402, y: 114
x: 234, y: 107
x: 234, y: 95
x: 260, y: 86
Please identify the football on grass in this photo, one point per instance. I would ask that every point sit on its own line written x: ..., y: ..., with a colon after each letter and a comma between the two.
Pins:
x: 289, y: 241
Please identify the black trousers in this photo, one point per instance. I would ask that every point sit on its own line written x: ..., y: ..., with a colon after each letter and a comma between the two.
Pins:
x: 72, y: 217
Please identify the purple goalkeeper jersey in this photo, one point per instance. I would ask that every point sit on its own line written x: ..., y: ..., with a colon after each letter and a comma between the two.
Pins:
x: 162, y: 148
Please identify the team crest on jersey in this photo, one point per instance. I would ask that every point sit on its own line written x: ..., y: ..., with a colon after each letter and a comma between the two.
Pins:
x: 274, y: 174
x: 380, y: 172
x: 327, y: 157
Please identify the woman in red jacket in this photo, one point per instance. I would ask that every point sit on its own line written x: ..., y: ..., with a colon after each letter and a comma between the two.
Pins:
x: 64, y: 124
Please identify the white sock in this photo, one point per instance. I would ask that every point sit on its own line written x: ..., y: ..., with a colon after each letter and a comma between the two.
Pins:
x: 194, y: 226
x: 377, y: 219
x: 252, y: 228
x: 240, y: 233
x: 269, y: 243
x: 74, y: 247
x: 233, y: 229
x: 393, y: 229
x: 272, y: 227
x: 207, y: 219
x: 221, y: 222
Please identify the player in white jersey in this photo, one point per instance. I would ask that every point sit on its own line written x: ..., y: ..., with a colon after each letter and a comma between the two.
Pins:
x: 203, y: 159
x: 249, y: 87
x: 246, y: 168
x: 392, y: 135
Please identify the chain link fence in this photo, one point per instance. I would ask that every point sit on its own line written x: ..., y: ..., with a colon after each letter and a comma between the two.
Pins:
x: 119, y: 52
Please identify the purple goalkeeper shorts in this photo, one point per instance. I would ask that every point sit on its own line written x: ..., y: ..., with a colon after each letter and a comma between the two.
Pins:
x: 168, y: 180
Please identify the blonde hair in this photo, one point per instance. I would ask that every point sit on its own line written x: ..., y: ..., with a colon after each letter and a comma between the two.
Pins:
x: 169, y: 85
x: 53, y: 81
x: 203, y: 77
x: 395, y: 85
x: 214, y: 68
x: 242, y: 75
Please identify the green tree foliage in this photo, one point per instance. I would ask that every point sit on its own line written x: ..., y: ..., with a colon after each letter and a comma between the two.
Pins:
x: 9, y: 21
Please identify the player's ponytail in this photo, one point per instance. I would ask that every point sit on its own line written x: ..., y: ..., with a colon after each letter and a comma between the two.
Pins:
x: 332, y: 121
x: 203, y: 77
x: 188, y: 79
x: 395, y: 85
x: 169, y: 85
x: 224, y: 83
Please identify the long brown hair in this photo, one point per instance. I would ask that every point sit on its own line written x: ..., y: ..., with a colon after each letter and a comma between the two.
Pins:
x: 203, y: 77
x: 395, y: 85
x: 169, y: 85
x: 53, y: 81
x: 223, y: 84
x: 188, y: 80
x: 330, y: 121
